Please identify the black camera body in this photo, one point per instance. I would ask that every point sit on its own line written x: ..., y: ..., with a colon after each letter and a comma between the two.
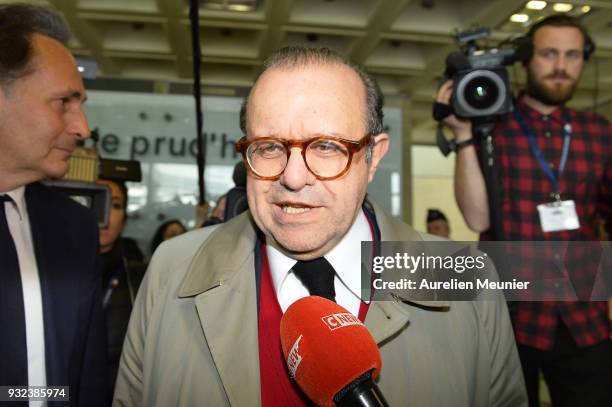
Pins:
x: 481, y: 84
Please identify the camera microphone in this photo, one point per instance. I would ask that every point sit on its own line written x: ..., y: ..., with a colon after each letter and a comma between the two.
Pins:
x: 523, y: 49
x: 331, y: 355
x: 455, y: 62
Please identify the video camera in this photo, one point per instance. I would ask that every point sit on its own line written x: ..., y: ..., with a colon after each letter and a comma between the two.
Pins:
x: 85, y: 167
x: 481, y: 85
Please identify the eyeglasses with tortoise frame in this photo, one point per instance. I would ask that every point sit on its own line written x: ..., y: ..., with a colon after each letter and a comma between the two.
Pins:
x: 326, y: 157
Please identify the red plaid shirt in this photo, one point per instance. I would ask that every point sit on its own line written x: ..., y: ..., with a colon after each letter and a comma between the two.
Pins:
x: 587, y: 180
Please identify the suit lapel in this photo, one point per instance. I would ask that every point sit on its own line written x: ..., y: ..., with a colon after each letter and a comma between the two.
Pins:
x: 52, y: 247
x: 222, y: 279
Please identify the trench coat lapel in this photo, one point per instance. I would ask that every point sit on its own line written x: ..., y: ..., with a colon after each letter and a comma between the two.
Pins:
x: 222, y: 279
x: 386, y: 318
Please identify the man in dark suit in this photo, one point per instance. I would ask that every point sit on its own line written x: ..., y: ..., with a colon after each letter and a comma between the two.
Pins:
x: 50, y: 289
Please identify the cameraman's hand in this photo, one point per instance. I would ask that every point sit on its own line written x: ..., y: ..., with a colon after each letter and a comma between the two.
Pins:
x: 462, y: 128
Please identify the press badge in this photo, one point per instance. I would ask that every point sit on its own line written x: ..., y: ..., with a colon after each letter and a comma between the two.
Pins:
x: 558, y: 216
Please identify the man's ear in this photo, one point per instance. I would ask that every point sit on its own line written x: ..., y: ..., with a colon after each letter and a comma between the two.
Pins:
x: 381, y: 146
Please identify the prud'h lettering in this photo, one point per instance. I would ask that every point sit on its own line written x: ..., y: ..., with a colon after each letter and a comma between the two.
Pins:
x: 142, y: 145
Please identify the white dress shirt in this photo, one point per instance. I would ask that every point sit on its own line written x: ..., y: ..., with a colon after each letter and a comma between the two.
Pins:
x: 19, y: 226
x: 345, y: 258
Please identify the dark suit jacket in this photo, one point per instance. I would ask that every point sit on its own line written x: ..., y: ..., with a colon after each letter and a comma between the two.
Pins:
x: 65, y: 239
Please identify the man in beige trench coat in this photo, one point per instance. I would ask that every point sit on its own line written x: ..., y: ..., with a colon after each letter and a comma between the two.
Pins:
x: 193, y: 335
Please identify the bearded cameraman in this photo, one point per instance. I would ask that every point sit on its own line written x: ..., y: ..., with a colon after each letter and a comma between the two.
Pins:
x: 548, y: 156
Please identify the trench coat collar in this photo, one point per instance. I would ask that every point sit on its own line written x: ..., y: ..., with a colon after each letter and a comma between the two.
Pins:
x: 231, y: 245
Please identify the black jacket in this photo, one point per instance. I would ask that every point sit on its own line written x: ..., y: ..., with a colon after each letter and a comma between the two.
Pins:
x: 122, y: 271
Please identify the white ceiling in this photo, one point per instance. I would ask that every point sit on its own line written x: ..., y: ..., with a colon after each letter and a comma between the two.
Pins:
x: 401, y: 42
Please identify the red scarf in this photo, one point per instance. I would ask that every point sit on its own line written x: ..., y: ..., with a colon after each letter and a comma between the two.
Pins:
x: 277, y: 389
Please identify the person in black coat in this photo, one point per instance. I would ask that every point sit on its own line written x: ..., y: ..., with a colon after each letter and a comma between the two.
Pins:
x: 123, y: 268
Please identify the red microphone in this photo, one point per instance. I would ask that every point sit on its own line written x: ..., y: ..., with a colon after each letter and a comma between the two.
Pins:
x: 330, y: 354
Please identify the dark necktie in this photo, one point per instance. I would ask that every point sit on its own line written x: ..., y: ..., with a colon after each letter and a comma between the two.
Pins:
x: 317, y: 276
x: 13, y: 347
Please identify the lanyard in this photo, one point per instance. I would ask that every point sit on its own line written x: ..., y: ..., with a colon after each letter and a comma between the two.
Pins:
x: 567, y: 135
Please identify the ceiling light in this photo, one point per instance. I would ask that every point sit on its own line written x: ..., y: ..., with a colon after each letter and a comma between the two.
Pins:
x: 231, y: 5
x: 87, y: 67
x: 536, y: 5
x: 585, y: 9
x: 562, y: 7
x: 519, y: 18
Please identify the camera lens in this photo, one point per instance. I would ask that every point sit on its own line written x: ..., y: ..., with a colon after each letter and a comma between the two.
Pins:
x: 481, y: 92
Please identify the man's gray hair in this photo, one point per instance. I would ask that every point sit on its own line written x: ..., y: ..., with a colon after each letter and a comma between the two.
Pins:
x: 300, y: 56
x: 17, y: 24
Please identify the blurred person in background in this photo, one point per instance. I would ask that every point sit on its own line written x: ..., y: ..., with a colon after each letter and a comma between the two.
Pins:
x: 218, y: 213
x: 201, y: 214
x: 219, y: 210
x: 437, y: 224
x: 234, y: 201
x: 236, y: 198
x: 123, y: 268
x: 165, y: 231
